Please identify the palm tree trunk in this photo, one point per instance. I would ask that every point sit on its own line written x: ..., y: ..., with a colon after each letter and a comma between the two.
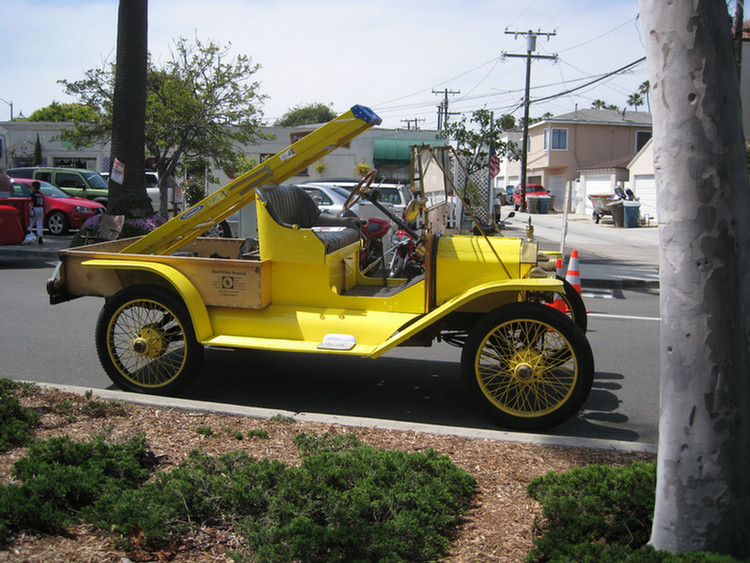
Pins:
x: 129, y: 198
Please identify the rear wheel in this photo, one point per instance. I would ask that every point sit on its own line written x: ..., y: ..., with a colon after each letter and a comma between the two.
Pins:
x: 530, y: 365
x: 145, y: 341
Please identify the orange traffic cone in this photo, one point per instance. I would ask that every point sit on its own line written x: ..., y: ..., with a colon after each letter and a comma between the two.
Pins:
x: 559, y: 268
x: 558, y: 302
x: 573, y: 277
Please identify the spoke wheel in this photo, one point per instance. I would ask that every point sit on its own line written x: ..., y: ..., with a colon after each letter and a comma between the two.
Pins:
x: 145, y: 341
x: 530, y: 365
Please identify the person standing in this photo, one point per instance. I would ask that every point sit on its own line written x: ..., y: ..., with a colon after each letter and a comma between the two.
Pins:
x: 37, y: 211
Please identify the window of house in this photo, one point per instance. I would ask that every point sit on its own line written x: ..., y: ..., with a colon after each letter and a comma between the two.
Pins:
x: 556, y: 139
x: 641, y: 138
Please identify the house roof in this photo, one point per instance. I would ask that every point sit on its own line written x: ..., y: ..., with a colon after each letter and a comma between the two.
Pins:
x: 593, y: 116
x: 609, y: 164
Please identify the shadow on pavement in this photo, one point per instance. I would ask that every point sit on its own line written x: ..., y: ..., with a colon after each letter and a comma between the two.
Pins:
x: 429, y: 392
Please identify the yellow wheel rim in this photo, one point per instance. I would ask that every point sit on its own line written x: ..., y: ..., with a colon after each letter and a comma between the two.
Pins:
x: 526, y: 368
x: 146, y: 343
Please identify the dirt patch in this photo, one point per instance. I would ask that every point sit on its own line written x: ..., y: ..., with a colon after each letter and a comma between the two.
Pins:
x: 498, y: 527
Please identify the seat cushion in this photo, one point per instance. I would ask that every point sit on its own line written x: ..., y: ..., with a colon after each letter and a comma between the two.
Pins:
x: 291, y: 205
x: 336, y: 237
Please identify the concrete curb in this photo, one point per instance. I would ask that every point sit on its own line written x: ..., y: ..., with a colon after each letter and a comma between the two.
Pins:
x: 160, y: 402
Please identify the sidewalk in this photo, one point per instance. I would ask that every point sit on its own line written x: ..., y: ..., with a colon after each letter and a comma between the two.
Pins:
x: 609, y: 257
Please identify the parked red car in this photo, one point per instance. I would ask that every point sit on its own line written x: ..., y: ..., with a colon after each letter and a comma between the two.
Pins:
x: 61, y: 212
x: 531, y: 189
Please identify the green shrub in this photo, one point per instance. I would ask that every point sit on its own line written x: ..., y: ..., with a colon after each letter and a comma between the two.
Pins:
x: 596, y: 503
x: 361, y: 504
x: 309, y: 444
x: 201, y: 490
x: 16, y: 422
x: 602, y: 514
x: 104, y: 409
x: 59, y: 477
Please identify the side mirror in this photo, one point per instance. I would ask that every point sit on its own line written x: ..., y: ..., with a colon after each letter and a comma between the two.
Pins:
x: 412, y: 210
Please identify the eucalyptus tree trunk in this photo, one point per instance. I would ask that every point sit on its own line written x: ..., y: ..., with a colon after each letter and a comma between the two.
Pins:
x: 129, y: 197
x: 703, y: 484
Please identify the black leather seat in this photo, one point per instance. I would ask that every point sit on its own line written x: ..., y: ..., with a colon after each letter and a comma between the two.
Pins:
x: 291, y: 205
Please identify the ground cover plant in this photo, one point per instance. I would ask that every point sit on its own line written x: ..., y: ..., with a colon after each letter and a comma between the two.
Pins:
x: 498, y: 523
x: 346, y: 501
x: 601, y: 514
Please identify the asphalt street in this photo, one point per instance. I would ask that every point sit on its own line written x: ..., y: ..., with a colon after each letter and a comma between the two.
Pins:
x: 610, y: 259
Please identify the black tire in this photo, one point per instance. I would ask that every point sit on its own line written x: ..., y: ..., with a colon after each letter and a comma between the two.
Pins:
x: 58, y: 223
x: 397, y: 269
x: 529, y: 365
x: 145, y: 341
x: 572, y: 302
x: 222, y: 230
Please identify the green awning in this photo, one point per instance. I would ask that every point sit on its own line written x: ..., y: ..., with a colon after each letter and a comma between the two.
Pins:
x: 397, y: 151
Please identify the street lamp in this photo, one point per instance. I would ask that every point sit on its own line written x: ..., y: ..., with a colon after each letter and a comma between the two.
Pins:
x: 11, y: 107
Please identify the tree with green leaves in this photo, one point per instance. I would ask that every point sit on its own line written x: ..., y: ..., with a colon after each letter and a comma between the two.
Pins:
x: 308, y: 114
x: 37, y: 152
x: 474, y: 137
x: 601, y: 104
x: 635, y: 100
x: 58, y: 112
x: 199, y: 106
x: 645, y: 90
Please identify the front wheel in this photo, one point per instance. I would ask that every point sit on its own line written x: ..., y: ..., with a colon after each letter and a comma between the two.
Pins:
x: 145, y: 341
x: 58, y: 223
x: 530, y: 365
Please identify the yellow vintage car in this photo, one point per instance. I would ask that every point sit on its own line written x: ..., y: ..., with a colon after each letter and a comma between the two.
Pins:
x: 170, y: 293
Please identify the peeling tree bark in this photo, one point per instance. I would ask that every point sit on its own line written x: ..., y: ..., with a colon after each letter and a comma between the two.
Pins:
x: 703, y: 485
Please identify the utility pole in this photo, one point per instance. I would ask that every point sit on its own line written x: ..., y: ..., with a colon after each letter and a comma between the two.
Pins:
x: 443, y: 112
x: 530, y: 48
x: 408, y: 122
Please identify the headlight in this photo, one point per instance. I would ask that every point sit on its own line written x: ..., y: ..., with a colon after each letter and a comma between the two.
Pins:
x: 397, y: 238
x: 83, y: 209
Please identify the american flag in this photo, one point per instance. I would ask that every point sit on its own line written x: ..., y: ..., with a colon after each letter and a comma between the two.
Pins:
x: 494, y: 162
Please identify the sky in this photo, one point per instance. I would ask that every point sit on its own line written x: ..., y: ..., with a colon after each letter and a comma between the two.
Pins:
x: 390, y: 55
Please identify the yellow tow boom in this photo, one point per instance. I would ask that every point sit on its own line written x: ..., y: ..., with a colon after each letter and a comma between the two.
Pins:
x: 221, y: 204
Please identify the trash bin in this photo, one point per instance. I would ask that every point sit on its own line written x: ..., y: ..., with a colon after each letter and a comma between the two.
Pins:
x: 631, y: 211
x: 543, y: 204
x: 532, y: 203
x: 616, y: 209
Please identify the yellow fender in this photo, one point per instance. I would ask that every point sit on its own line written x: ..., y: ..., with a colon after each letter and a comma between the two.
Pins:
x: 511, y: 285
x: 177, y: 280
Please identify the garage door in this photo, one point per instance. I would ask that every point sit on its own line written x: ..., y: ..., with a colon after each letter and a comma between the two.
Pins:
x: 596, y: 185
x: 644, y: 187
x: 556, y: 187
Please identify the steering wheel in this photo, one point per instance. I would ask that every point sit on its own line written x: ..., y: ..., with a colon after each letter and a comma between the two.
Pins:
x: 359, y: 191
